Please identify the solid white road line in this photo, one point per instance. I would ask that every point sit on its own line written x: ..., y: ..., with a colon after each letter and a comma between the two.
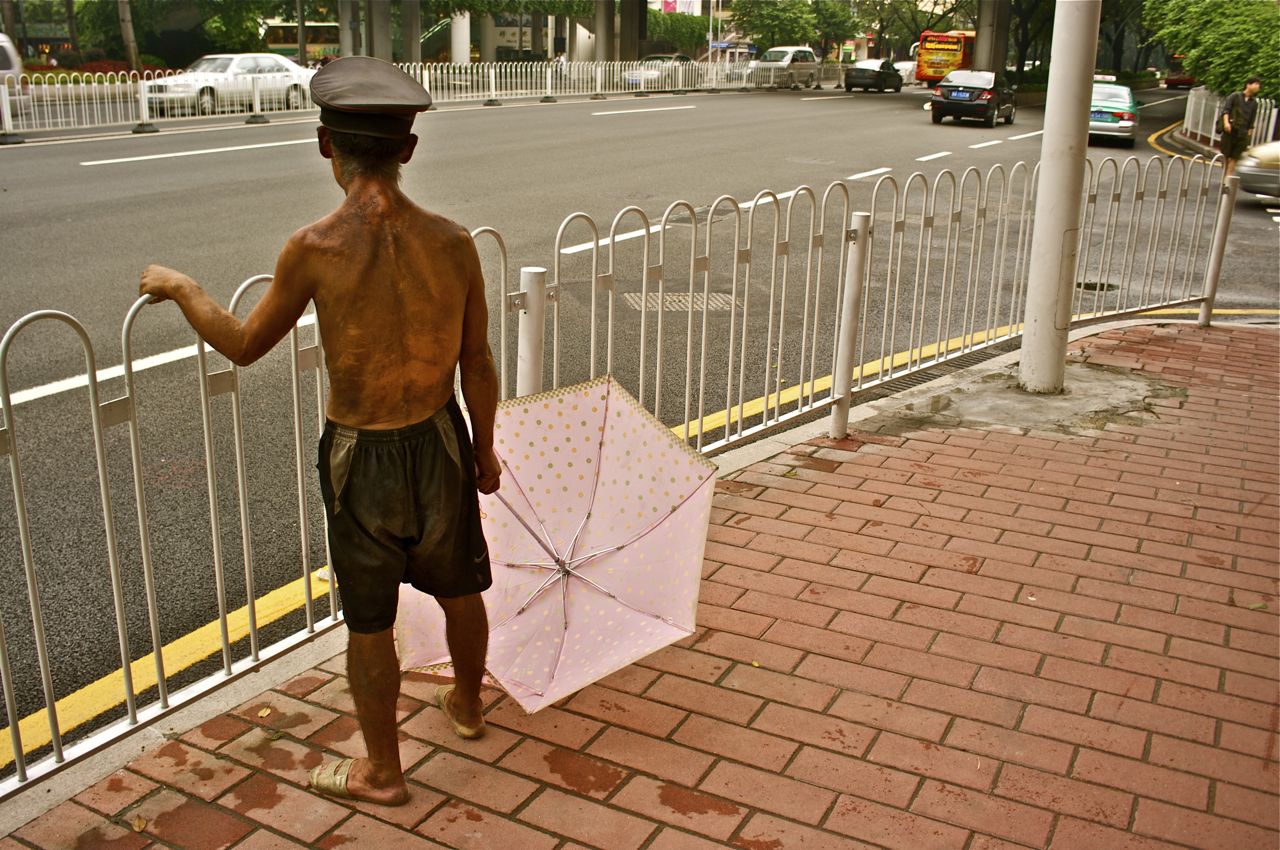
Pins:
x: 632, y: 234
x: 987, y: 144
x: 829, y: 97
x: 79, y: 381
x: 1166, y: 100
x: 872, y: 173
x: 938, y: 155
x: 310, y: 141
x: 635, y: 111
x: 1027, y: 135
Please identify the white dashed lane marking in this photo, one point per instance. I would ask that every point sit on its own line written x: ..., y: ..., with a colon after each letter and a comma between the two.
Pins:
x: 938, y: 155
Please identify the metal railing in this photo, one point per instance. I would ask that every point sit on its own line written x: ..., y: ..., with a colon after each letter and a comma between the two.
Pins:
x: 725, y: 320
x: 1200, y: 121
x: 43, y: 102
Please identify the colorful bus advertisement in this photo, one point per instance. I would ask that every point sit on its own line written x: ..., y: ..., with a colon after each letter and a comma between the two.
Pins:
x: 940, y: 53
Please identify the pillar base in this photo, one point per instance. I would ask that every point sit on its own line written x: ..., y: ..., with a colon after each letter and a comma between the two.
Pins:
x: 548, y: 99
x: 598, y: 97
x: 257, y: 118
x: 11, y: 139
x: 492, y: 102
x: 640, y: 94
x: 145, y: 127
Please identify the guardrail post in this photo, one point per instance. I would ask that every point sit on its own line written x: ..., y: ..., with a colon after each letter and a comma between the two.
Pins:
x: 532, y: 301
x: 599, y: 84
x: 493, y: 88
x: 7, y: 136
x: 548, y: 98
x: 850, y: 309
x: 1226, y: 206
x: 144, y: 124
x: 257, y: 117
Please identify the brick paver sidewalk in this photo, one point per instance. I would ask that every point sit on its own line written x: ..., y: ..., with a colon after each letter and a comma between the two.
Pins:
x: 967, y: 639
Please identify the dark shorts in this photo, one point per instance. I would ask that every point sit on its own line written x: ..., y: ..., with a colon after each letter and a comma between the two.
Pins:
x: 402, y: 508
x: 1233, y: 145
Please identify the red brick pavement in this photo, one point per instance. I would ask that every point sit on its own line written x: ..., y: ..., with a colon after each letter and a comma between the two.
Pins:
x: 965, y: 638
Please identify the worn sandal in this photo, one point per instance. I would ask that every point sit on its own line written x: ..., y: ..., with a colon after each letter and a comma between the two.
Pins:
x: 462, y: 730
x: 331, y: 777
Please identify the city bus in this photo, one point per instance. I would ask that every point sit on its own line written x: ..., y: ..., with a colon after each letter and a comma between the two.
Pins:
x: 282, y: 37
x: 939, y: 53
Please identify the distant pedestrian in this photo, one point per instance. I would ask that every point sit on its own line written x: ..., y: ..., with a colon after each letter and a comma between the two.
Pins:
x: 1237, y: 115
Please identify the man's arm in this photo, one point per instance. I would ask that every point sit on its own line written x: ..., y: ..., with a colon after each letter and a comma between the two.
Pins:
x: 479, y: 377
x: 241, y: 342
x: 1228, y: 106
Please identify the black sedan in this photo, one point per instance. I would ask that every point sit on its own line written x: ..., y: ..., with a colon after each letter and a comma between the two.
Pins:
x: 984, y: 95
x: 868, y: 74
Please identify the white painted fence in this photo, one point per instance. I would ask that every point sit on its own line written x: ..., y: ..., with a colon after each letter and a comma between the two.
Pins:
x: 1200, y: 122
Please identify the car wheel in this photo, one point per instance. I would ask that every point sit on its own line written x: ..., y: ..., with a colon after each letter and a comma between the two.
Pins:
x: 1013, y: 110
x: 848, y: 88
x: 1129, y: 143
x: 293, y: 98
x: 898, y: 87
x: 990, y: 120
x: 206, y: 102
x: 936, y: 116
x: 880, y: 86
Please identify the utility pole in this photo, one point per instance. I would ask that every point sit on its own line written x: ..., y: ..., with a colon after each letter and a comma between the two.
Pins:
x: 302, y: 33
x: 73, y: 33
x: 1054, y: 243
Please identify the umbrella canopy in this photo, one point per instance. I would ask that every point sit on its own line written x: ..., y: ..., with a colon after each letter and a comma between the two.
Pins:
x: 596, y: 540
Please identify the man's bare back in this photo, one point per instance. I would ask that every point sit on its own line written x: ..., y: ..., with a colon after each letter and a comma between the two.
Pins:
x: 391, y: 294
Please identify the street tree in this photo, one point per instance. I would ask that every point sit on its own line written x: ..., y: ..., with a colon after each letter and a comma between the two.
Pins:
x: 772, y: 22
x: 1120, y: 19
x: 125, y: 14
x: 837, y: 22
x: 686, y: 33
x: 1223, y: 42
x: 1031, y: 22
x: 898, y: 23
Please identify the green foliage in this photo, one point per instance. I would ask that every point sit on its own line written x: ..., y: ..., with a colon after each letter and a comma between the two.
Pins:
x: 836, y: 22
x: 1224, y: 42
x: 687, y: 33
x: 770, y: 23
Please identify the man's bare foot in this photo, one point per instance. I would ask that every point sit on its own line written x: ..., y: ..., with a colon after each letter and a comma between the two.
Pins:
x: 467, y: 720
x: 357, y: 778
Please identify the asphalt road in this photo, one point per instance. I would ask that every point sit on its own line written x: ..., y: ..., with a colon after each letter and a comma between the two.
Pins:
x: 81, y: 218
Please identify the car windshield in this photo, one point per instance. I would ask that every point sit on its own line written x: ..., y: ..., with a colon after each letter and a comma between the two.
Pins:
x: 869, y: 64
x: 983, y: 79
x: 1111, y: 94
x: 657, y: 59
x: 773, y: 56
x: 211, y: 64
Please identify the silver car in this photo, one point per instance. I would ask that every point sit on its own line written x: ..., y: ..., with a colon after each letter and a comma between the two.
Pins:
x: 224, y: 81
x: 786, y: 66
x: 1259, y: 169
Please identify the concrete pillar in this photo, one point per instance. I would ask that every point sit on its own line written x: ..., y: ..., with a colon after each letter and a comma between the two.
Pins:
x: 411, y: 30
x: 629, y: 29
x: 1052, y: 267
x: 488, y: 39
x: 991, y: 40
x: 604, y: 31
x: 377, y: 16
x: 571, y: 39
x: 348, y: 28
x: 460, y: 39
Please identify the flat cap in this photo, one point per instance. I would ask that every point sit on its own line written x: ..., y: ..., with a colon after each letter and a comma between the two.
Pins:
x: 368, y: 97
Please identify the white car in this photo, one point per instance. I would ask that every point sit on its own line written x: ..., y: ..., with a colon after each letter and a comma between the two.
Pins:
x: 660, y: 71
x: 786, y: 66
x: 224, y: 81
x: 907, y: 70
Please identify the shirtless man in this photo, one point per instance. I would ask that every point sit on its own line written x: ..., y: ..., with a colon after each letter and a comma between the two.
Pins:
x: 400, y: 301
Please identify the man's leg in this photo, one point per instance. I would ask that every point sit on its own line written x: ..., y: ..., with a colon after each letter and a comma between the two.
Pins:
x: 373, y: 669
x: 467, y: 631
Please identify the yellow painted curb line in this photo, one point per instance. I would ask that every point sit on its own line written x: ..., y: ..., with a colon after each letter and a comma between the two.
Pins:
x: 106, y: 693
x: 1151, y: 140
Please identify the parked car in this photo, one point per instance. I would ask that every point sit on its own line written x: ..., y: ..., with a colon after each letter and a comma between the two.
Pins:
x: 868, y: 74
x: 985, y: 95
x: 223, y: 81
x: 1259, y: 169
x: 10, y: 61
x: 660, y: 71
x: 789, y: 66
x: 1114, y: 112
